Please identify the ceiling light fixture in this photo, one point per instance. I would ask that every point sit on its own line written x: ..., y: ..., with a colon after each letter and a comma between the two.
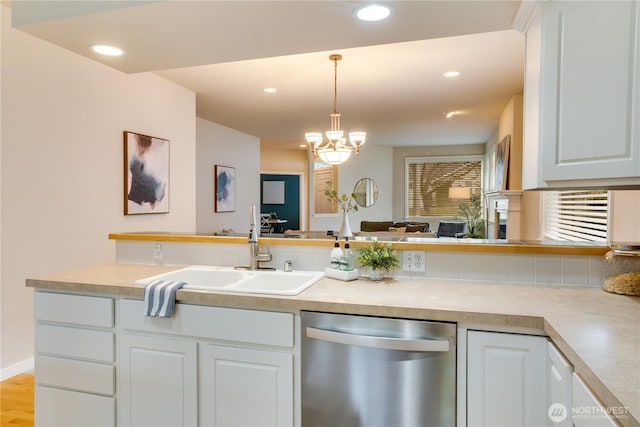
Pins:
x: 373, y: 12
x: 450, y: 114
x: 107, y: 50
x: 452, y: 74
x: 270, y: 89
x: 336, y: 150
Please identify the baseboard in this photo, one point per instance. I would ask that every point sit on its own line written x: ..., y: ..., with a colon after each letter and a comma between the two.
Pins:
x: 16, y: 369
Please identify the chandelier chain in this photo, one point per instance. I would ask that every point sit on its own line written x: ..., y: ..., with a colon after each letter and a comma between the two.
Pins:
x: 335, y: 86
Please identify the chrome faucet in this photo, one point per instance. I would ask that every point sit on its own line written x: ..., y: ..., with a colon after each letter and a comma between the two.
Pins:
x: 255, y: 256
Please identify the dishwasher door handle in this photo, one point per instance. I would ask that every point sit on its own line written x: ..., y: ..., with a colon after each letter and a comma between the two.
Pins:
x: 378, y: 342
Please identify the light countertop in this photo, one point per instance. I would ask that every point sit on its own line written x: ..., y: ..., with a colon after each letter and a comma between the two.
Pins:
x: 598, y: 332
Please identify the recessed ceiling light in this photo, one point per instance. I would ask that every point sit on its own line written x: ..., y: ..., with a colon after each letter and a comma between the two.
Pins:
x: 104, y: 49
x: 450, y: 114
x: 303, y: 145
x: 270, y: 89
x: 373, y: 12
x: 452, y: 74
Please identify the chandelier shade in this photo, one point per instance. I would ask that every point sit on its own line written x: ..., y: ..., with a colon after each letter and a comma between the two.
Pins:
x: 336, y: 150
x: 334, y: 156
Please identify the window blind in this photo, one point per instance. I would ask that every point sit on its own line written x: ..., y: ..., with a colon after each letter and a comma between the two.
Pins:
x: 575, y: 215
x: 429, y: 180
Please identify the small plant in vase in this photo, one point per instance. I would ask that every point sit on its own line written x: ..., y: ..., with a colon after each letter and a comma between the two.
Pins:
x: 472, y: 214
x: 380, y: 258
x: 346, y: 203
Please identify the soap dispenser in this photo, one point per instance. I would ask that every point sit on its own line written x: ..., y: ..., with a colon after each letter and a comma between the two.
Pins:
x: 335, y: 259
x: 348, y: 256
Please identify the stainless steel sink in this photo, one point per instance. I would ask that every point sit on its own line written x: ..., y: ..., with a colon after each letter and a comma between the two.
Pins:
x: 230, y: 280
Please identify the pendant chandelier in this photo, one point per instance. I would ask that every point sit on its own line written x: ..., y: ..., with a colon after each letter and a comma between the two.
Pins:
x: 336, y: 150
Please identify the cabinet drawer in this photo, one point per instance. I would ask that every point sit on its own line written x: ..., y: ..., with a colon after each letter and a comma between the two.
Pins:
x: 55, y: 407
x: 74, y: 342
x: 75, y: 374
x: 229, y: 324
x: 75, y: 309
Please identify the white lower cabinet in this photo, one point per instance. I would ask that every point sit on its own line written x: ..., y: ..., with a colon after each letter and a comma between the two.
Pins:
x: 588, y: 411
x: 74, y: 360
x: 558, y: 388
x: 506, y: 379
x: 245, y: 387
x: 205, y: 366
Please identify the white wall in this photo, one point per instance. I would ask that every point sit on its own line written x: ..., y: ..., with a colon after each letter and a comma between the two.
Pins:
x: 63, y: 118
x: 219, y: 145
x: 624, y: 216
x: 373, y: 162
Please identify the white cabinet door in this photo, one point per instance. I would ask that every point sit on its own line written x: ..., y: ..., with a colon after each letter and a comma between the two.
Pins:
x: 245, y: 387
x: 582, y: 94
x: 506, y: 379
x: 559, y: 388
x: 587, y: 409
x: 157, y: 381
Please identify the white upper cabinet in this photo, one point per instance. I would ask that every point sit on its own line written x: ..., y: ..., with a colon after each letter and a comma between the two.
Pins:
x: 582, y: 94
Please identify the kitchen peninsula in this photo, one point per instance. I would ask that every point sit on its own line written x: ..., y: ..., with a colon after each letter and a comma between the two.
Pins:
x: 596, y: 331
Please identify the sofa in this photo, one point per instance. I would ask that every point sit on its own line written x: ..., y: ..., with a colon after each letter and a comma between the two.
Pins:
x: 452, y: 229
x: 392, y: 226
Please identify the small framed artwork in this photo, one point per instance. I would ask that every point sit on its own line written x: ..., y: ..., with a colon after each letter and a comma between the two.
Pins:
x: 273, y: 192
x: 146, y: 174
x: 225, y: 188
x: 501, y: 164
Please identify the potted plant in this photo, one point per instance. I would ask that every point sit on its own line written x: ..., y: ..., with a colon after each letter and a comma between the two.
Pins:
x: 380, y: 258
x: 346, y: 203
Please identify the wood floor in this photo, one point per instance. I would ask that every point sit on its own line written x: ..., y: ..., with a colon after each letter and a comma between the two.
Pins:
x: 16, y: 401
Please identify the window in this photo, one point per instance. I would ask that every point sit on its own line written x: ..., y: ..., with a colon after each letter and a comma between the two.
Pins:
x: 430, y: 178
x: 575, y: 215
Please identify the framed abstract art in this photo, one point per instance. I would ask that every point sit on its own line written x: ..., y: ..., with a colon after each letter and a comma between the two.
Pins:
x: 146, y: 174
x: 225, y: 188
x: 501, y: 167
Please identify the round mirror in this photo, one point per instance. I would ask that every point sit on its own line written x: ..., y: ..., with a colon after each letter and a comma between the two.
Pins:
x: 366, y: 192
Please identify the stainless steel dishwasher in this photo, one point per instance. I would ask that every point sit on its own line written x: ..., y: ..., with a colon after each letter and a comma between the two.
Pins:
x: 373, y: 371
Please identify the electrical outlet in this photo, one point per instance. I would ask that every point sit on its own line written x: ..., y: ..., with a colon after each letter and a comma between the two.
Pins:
x: 158, y: 252
x: 413, y: 261
x: 418, y: 261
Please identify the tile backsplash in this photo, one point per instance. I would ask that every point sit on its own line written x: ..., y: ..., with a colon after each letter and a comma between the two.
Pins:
x: 515, y: 269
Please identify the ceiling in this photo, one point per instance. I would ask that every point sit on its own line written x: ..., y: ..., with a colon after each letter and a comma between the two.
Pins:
x: 390, y: 81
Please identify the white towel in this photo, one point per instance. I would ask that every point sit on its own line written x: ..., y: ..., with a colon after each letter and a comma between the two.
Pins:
x: 160, y: 297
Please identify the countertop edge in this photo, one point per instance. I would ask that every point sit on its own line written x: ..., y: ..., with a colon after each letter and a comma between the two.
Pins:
x: 448, y: 246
